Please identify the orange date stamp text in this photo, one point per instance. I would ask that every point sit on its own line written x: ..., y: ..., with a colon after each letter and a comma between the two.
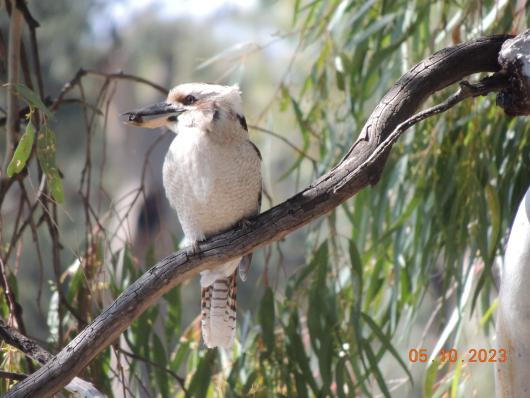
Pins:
x: 452, y: 355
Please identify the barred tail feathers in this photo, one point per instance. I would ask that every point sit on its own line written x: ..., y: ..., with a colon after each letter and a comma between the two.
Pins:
x: 218, y: 303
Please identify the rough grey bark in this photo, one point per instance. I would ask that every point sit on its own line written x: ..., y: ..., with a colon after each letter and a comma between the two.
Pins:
x: 36, y: 352
x: 361, y: 167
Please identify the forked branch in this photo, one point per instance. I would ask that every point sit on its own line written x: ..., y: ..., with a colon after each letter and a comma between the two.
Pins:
x: 361, y: 167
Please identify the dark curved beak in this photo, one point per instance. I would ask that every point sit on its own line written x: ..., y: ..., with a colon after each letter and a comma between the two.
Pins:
x: 154, y: 116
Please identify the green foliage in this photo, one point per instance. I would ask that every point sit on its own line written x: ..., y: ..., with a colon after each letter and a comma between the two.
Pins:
x: 45, y: 143
x: 440, y: 212
x: 204, y: 371
x: 266, y: 319
x: 21, y: 155
x: 32, y: 98
x: 46, y: 155
x: 376, y: 267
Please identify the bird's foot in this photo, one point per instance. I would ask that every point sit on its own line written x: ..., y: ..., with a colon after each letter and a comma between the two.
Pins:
x: 193, y: 249
x: 245, y: 223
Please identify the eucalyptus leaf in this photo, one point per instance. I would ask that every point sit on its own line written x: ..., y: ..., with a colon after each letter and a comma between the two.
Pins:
x: 22, y: 152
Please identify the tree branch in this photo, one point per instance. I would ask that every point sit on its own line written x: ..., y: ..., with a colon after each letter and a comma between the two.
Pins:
x: 88, y: 72
x: 16, y: 339
x: 12, y: 376
x: 34, y: 351
x: 361, y: 167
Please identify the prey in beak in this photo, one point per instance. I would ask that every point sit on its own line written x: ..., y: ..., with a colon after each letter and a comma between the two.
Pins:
x: 153, y: 116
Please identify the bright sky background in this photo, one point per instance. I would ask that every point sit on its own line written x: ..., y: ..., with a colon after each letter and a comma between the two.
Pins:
x: 122, y: 11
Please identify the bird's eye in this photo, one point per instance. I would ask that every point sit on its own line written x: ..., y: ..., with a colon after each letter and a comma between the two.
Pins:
x: 189, y: 99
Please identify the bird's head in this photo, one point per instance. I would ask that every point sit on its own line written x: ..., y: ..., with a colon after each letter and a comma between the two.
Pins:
x: 211, y: 107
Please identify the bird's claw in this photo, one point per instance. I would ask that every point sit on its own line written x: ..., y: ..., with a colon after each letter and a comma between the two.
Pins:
x: 193, y: 249
x: 245, y: 223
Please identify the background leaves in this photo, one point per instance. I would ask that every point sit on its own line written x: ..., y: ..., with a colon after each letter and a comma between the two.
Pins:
x: 332, y: 311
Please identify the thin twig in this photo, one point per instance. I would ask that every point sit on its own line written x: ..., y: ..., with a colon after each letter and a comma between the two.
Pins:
x: 12, y: 376
x: 285, y: 140
x: 487, y: 85
x: 13, y: 61
x: 14, y: 307
x: 32, y: 26
x: 179, y: 379
x: 118, y: 76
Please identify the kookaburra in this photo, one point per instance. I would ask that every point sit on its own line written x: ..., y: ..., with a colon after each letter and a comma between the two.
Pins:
x: 212, y: 178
